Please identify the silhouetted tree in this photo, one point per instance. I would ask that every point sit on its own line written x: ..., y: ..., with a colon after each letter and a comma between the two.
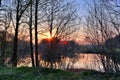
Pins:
x: 5, y: 34
x: 60, y: 22
x: 30, y: 31
x: 99, y: 29
x: 60, y: 50
x: 36, y: 32
x: 114, y: 15
x: 20, y: 8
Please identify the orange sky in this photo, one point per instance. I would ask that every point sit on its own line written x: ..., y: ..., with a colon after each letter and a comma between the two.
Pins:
x: 80, y: 38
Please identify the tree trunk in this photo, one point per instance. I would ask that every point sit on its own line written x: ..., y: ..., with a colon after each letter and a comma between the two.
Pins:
x: 15, y: 46
x: 30, y: 30
x: 36, y: 38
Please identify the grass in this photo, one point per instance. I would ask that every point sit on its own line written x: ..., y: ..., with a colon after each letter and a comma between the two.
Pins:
x: 28, y: 73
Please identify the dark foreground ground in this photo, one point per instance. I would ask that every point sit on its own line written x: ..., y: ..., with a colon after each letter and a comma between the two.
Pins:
x: 25, y: 73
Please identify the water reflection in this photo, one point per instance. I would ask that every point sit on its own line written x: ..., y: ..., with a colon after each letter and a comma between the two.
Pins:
x: 89, y: 61
x: 86, y: 61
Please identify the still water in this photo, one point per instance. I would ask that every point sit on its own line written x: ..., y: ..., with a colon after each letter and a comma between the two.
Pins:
x: 84, y: 61
x: 89, y: 61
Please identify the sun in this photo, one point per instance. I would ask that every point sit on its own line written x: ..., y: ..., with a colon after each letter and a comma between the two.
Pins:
x: 48, y: 36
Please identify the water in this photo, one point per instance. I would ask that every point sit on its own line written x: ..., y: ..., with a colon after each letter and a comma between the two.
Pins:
x: 89, y: 61
x: 86, y: 61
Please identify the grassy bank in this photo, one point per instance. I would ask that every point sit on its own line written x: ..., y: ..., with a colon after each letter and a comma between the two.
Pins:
x: 25, y: 73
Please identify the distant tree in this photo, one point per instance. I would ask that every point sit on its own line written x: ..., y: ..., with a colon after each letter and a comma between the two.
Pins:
x: 114, y: 14
x: 5, y: 34
x: 99, y: 29
x: 61, y: 50
x: 59, y: 20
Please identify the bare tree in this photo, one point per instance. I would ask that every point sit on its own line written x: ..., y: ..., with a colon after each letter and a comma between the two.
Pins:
x: 36, y: 36
x: 59, y: 21
x: 5, y: 20
x: 114, y: 14
x: 5, y: 34
x: 20, y: 8
x: 100, y: 30
x: 30, y: 29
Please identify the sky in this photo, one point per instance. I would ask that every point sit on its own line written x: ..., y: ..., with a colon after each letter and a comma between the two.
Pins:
x: 82, y: 4
x: 81, y: 10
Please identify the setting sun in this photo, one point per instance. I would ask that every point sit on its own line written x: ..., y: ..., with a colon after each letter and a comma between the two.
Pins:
x: 48, y: 36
